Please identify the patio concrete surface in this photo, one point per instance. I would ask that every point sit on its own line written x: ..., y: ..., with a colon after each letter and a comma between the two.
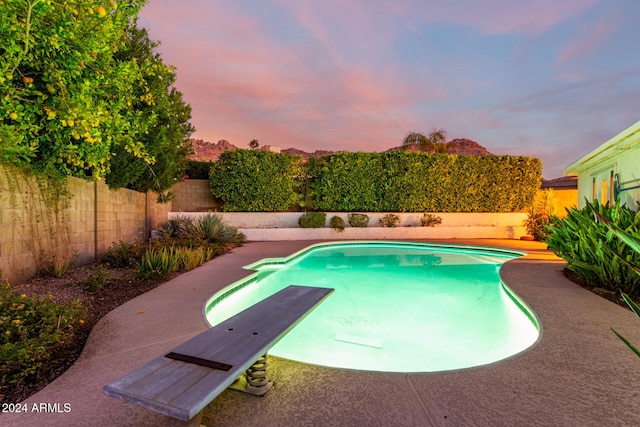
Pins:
x: 578, y: 374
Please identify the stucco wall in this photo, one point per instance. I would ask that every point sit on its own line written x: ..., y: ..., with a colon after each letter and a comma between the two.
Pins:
x: 284, y: 226
x: 618, y: 156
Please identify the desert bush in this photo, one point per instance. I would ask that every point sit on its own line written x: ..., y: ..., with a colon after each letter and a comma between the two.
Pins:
x: 158, y: 262
x: 212, y: 229
x: 541, y: 213
x: 54, y: 265
x: 591, y: 249
x: 30, y: 332
x: 176, y: 228
x: 123, y: 254
x: 337, y: 223
x: 191, y: 258
x: 201, y: 231
x: 312, y: 219
x: 430, y: 220
x: 358, y: 220
x: 96, y: 281
x: 389, y: 220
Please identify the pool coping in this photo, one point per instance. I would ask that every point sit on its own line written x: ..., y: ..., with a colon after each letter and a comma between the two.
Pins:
x: 578, y: 373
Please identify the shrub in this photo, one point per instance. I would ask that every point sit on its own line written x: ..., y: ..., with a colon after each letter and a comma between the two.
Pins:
x: 52, y: 265
x: 337, y: 223
x: 158, y: 263
x: 389, y: 220
x: 212, y: 229
x: 96, y: 281
x: 123, y: 254
x: 312, y: 219
x: 176, y: 228
x: 590, y: 248
x: 430, y: 220
x: 191, y: 258
x: 202, y: 231
x: 30, y: 332
x: 633, y: 242
x: 257, y: 181
x: 417, y: 182
x: 358, y: 220
x: 541, y: 213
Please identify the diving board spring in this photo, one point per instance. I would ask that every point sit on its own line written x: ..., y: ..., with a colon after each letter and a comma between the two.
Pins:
x: 257, y: 374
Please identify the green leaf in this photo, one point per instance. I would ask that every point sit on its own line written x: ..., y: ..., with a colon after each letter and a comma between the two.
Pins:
x: 626, y: 341
x: 631, y: 304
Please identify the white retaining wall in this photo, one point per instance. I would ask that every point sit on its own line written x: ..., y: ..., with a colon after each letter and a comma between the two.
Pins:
x: 268, y: 226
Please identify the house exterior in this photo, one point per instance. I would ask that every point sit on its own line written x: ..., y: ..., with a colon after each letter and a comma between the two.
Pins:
x: 611, y: 171
x: 565, y: 191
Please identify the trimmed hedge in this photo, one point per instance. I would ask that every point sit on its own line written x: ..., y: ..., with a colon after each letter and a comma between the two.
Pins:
x: 400, y: 181
x: 257, y: 181
x: 421, y: 182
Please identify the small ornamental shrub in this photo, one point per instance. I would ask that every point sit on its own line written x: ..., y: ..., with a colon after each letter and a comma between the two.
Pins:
x: 123, y: 254
x: 358, y: 220
x: 312, y: 220
x: 54, y: 265
x: 212, y: 229
x: 158, y: 263
x: 389, y: 220
x: 430, y: 220
x: 337, y: 224
x: 96, y: 281
x: 541, y: 213
x: 30, y: 332
x: 206, y: 230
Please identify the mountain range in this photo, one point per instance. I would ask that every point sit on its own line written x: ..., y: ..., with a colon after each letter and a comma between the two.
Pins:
x: 210, y: 151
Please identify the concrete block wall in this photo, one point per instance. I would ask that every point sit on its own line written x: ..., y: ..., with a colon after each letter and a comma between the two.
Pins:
x: 193, y: 195
x: 94, y: 219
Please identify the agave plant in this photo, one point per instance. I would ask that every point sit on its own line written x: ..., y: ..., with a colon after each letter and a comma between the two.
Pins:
x: 633, y: 243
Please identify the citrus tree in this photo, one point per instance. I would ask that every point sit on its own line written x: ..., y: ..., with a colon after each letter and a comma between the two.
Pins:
x: 75, y: 90
x: 158, y: 108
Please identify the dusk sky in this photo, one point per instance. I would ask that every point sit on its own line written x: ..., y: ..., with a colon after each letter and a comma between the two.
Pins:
x: 546, y: 78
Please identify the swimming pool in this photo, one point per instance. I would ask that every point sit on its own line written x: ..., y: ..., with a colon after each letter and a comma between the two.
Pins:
x: 397, y: 306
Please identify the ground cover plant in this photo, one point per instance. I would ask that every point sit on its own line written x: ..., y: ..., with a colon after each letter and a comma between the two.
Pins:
x: 32, y: 329
x: 45, y: 322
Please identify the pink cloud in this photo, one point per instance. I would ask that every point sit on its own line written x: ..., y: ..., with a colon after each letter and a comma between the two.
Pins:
x: 584, y: 46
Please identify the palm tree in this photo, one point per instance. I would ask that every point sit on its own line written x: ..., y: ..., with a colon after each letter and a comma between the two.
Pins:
x: 436, y: 142
x: 438, y: 139
x: 415, y: 138
x: 254, y: 144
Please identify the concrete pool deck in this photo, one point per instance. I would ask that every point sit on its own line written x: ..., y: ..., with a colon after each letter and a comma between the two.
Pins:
x: 578, y: 374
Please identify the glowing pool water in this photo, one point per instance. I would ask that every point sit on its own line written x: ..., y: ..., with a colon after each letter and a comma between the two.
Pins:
x: 397, y: 307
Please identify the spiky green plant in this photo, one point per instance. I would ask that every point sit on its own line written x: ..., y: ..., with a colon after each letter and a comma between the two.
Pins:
x: 633, y: 243
x: 212, y: 229
x: 158, y: 263
x: 589, y: 247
